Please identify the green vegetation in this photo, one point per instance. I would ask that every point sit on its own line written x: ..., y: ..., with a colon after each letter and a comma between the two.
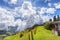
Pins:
x: 41, y: 34
x: 1, y: 37
x: 47, y: 25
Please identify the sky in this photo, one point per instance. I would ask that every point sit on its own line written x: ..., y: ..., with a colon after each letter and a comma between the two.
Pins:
x: 26, y: 13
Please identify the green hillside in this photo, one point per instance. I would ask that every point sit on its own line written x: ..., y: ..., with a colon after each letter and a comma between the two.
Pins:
x: 41, y: 34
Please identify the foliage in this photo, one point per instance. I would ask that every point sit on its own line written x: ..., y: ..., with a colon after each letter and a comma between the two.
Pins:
x: 47, y: 25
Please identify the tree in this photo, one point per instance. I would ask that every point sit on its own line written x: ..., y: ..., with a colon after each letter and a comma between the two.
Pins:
x: 47, y: 25
x: 54, y: 18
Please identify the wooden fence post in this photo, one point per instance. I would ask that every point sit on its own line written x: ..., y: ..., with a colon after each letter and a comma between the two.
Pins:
x: 32, y: 35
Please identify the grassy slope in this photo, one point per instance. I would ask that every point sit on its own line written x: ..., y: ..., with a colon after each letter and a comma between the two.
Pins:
x: 41, y: 34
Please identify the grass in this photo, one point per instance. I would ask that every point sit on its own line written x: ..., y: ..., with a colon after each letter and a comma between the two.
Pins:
x: 1, y: 37
x: 41, y: 34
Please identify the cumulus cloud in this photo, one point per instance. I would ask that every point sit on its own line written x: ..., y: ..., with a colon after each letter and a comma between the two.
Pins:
x: 46, y: 18
x: 50, y: 10
x: 11, y: 1
x: 6, y: 18
x: 44, y: 10
x: 57, y: 5
x: 49, y: 4
x: 5, y: 15
x: 26, y: 9
x: 21, y: 24
x: 27, y: 14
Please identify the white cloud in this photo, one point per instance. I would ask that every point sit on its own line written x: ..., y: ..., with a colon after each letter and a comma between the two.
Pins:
x: 6, y: 18
x: 45, y: 18
x: 49, y: 4
x: 50, y: 10
x: 21, y: 24
x: 26, y: 9
x: 37, y: 19
x: 27, y: 13
x: 42, y: 10
x: 5, y: 15
x: 57, y: 5
x: 11, y: 1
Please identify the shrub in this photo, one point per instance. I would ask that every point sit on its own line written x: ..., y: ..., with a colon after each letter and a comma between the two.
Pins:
x: 47, y: 25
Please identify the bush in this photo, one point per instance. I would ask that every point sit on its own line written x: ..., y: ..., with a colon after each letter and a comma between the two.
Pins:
x: 47, y: 25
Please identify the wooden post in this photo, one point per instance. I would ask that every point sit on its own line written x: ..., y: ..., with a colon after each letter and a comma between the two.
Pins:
x: 32, y: 35
x: 29, y: 36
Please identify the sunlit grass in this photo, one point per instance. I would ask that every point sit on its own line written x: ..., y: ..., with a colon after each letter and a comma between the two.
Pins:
x: 41, y: 34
